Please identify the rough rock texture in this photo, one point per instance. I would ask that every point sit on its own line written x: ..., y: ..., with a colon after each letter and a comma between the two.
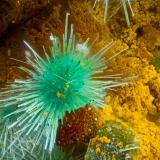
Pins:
x: 31, y: 15
x: 12, y: 12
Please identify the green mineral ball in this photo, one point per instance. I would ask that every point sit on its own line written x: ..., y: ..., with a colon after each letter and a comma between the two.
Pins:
x: 114, y: 141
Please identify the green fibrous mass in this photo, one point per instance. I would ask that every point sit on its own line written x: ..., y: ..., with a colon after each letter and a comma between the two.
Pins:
x: 63, y: 81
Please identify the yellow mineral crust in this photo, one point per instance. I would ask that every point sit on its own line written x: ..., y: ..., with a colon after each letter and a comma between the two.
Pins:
x: 130, y: 66
x: 142, y: 93
x: 145, y: 26
x: 146, y: 12
x: 135, y: 97
x: 133, y: 104
x: 149, y: 139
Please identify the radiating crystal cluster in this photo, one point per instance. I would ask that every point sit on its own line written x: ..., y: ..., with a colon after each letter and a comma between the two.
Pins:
x: 63, y: 81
